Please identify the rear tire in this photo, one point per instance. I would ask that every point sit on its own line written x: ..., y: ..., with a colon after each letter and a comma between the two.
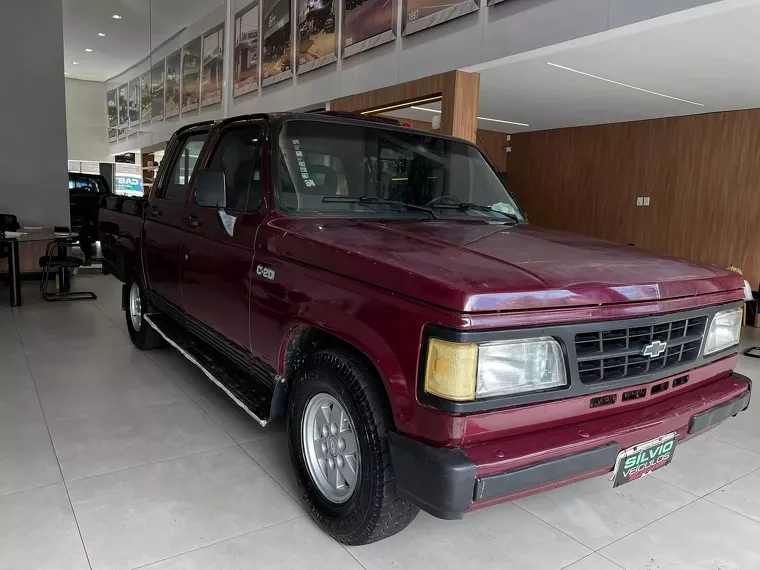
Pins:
x: 143, y: 336
x: 369, y: 510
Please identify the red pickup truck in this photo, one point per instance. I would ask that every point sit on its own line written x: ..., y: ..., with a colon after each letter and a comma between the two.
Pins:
x: 381, y: 288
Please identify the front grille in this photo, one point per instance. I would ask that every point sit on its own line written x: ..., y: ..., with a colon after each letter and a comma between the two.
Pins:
x: 614, y: 354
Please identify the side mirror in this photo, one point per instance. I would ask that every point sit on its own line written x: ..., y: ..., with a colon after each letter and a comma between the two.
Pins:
x: 211, y: 189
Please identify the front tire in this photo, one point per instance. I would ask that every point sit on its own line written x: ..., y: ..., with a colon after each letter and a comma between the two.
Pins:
x: 338, y: 424
x: 143, y: 336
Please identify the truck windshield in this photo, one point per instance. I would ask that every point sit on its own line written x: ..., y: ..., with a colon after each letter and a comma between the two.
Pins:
x: 334, y: 169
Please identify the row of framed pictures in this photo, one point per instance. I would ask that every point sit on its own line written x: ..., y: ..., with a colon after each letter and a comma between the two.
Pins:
x: 191, y: 77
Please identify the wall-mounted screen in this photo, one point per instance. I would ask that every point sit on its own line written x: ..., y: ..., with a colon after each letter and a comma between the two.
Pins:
x: 316, y: 34
x: 157, y: 90
x: 191, y: 68
x: 421, y: 14
x: 173, y: 63
x: 367, y: 24
x: 113, y: 114
x: 134, y: 102
x: 146, y: 94
x: 275, y: 58
x: 213, y: 67
x: 246, y: 72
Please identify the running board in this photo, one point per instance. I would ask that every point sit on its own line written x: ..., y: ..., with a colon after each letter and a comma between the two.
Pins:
x: 261, y: 401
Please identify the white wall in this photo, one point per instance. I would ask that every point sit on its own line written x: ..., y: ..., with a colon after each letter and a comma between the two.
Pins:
x: 86, y: 120
x: 508, y: 28
x: 33, y: 169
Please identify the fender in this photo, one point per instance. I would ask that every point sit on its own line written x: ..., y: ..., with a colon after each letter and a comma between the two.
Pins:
x: 365, y: 339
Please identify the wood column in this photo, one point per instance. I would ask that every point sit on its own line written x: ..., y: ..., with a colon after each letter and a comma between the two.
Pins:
x: 458, y: 92
x: 459, y: 106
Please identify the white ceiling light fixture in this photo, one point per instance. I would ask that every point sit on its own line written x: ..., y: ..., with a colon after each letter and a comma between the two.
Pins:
x: 87, y: 49
x: 116, y: 17
x: 624, y: 84
x: 481, y: 118
x: 74, y: 63
x: 101, y: 34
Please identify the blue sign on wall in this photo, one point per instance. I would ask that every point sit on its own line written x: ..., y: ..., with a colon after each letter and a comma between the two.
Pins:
x: 128, y: 184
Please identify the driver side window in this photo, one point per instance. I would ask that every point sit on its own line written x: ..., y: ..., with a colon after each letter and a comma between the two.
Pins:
x: 239, y: 155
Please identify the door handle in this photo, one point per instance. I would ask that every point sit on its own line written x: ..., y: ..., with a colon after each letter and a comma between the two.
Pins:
x: 154, y: 211
x: 192, y: 221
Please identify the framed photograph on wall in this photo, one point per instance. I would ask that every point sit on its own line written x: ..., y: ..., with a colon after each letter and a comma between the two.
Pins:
x: 113, y: 115
x: 173, y: 63
x: 123, y: 106
x: 316, y: 34
x: 276, y: 42
x: 212, y: 69
x: 134, y: 102
x: 145, y: 97
x: 191, y: 69
x: 367, y: 24
x: 246, y: 70
x: 157, y: 90
x: 422, y: 14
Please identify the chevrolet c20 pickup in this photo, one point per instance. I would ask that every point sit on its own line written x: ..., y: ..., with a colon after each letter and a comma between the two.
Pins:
x: 381, y: 288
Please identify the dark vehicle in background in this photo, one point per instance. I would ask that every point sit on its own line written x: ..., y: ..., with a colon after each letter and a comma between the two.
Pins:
x: 85, y: 194
x: 381, y: 288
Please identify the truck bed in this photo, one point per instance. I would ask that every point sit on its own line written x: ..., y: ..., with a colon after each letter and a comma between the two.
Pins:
x: 120, y: 228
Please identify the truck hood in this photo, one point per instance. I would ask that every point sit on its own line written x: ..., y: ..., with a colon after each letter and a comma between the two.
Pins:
x: 481, y: 267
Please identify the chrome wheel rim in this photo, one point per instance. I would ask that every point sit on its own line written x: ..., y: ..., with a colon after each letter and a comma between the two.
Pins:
x: 330, y: 448
x: 135, y: 307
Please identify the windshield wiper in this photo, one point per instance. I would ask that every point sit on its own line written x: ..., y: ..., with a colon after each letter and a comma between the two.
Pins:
x: 376, y: 200
x: 464, y: 206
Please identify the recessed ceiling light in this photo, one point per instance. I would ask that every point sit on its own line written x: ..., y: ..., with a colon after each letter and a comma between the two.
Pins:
x: 65, y: 72
x: 624, y: 84
x: 87, y: 49
x: 101, y: 34
x: 74, y: 63
x: 116, y: 17
x: 481, y: 118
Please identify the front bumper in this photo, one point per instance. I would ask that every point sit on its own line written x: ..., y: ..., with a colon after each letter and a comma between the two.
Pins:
x: 448, y: 482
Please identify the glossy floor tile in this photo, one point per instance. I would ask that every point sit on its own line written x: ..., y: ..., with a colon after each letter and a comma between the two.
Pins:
x: 136, y: 516
x: 702, y: 535
x: 27, y: 459
x: 38, y: 531
x: 165, y: 472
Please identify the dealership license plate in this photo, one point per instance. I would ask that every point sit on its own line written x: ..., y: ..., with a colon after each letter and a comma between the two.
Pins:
x: 643, y: 459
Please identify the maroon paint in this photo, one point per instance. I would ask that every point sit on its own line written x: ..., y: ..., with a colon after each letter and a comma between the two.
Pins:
x: 377, y: 284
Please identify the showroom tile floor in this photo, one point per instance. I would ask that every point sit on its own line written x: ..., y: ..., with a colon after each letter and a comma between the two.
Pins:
x: 111, y: 458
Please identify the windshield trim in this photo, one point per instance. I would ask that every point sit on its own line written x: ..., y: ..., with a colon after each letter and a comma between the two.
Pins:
x: 277, y: 125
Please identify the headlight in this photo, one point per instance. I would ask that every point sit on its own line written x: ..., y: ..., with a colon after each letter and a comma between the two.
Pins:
x: 465, y: 371
x: 524, y: 365
x: 724, y: 330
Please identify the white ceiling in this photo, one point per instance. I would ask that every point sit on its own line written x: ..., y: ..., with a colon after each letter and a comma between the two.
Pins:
x: 144, y: 23
x: 709, y: 55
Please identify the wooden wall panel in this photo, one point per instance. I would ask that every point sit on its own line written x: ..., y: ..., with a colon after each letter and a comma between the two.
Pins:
x: 702, y: 174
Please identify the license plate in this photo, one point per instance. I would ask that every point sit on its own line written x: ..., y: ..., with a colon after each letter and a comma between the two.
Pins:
x: 640, y: 460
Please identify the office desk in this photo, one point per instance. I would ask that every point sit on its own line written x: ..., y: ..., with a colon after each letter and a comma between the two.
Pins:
x: 24, y: 254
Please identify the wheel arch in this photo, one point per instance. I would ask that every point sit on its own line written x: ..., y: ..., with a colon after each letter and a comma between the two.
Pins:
x: 304, y: 338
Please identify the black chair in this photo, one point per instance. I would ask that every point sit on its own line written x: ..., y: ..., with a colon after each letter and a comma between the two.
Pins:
x: 8, y: 223
x: 67, y: 264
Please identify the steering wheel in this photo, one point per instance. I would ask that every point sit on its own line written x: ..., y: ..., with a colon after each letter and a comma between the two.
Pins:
x: 441, y: 199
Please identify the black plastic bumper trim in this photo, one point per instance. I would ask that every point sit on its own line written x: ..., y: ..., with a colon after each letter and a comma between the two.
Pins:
x: 549, y: 471
x: 719, y: 413
x: 439, y: 481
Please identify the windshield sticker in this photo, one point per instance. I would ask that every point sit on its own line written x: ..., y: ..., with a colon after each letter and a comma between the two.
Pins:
x: 296, y: 141
x: 299, y: 154
x: 301, y: 163
x: 310, y: 183
x: 305, y: 175
x: 303, y: 169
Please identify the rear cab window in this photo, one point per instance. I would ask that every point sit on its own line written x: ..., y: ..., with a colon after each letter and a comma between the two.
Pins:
x: 178, y: 182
